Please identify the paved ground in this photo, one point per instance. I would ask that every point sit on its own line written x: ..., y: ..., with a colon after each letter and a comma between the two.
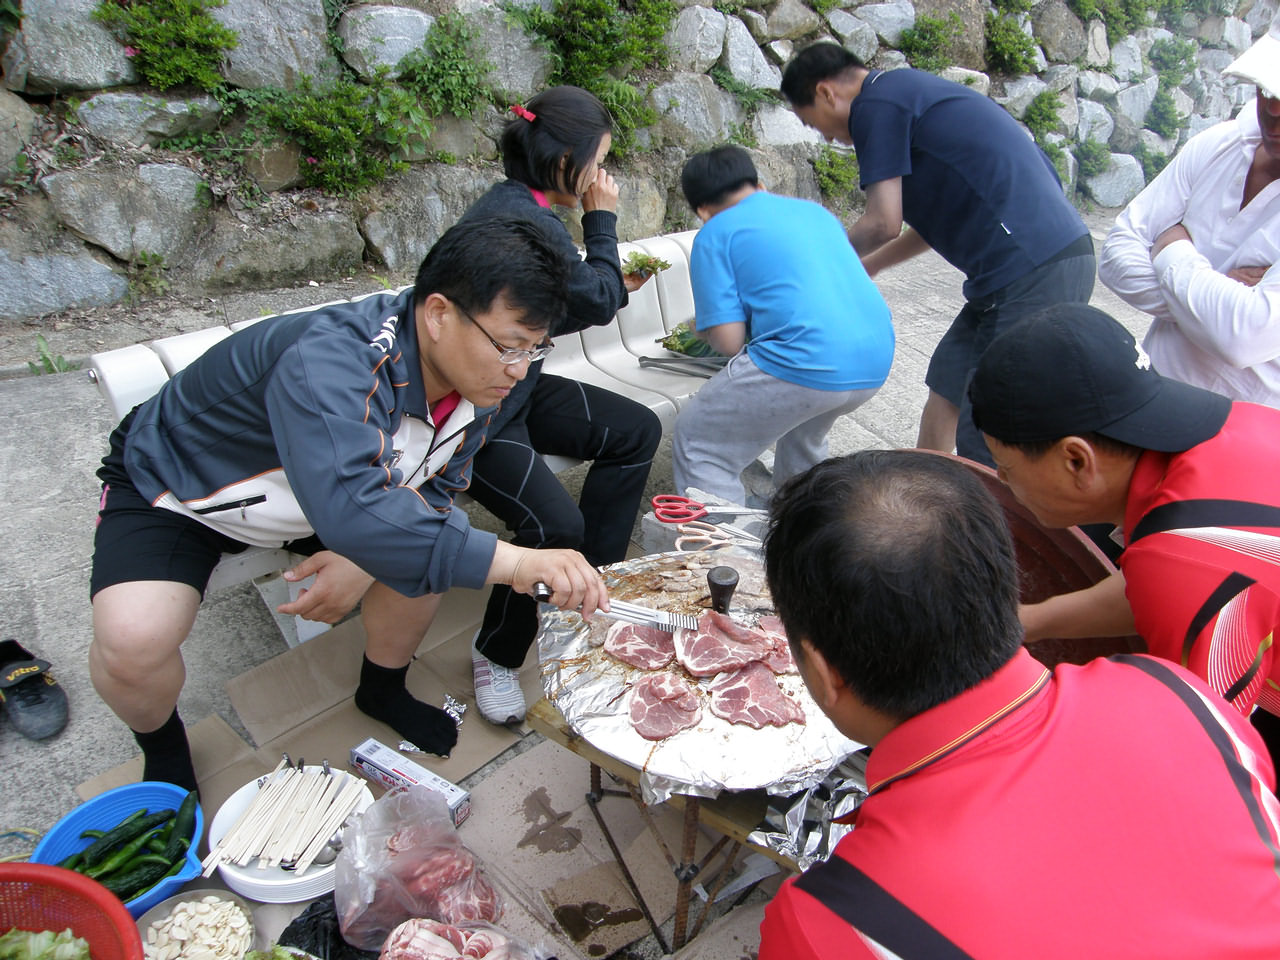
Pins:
x: 54, y: 434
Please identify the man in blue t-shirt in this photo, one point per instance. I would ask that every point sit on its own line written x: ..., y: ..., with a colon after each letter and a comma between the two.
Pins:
x: 970, y: 183
x: 778, y: 291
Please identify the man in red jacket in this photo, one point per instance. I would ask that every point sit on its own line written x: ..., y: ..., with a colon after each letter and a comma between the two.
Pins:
x: 1119, y: 809
x: 1083, y: 430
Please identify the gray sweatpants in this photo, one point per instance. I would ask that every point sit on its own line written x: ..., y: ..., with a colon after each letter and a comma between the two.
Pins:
x: 742, y: 411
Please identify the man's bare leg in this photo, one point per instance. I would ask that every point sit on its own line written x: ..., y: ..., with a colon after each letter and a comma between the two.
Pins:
x: 136, y: 666
x: 395, y: 626
x: 938, y: 423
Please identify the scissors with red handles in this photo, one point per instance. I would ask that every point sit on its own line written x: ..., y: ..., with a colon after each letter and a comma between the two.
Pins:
x: 671, y: 508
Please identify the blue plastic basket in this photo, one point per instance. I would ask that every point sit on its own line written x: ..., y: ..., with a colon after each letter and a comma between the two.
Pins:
x: 106, y: 810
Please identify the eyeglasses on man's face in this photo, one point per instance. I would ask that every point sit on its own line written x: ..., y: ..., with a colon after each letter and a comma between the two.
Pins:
x: 509, y: 354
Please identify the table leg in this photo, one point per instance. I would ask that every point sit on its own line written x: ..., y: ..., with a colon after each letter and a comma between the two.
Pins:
x: 686, y: 872
x: 592, y: 802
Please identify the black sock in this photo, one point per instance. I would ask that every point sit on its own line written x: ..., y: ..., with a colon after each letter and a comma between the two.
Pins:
x: 382, y: 695
x: 166, y: 754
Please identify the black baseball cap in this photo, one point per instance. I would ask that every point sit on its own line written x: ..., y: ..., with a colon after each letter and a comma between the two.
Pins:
x: 1072, y: 369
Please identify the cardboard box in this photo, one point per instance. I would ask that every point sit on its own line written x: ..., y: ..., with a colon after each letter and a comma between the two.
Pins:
x: 391, y: 768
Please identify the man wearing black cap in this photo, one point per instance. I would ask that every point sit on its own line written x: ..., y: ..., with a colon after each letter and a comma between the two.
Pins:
x: 1083, y: 430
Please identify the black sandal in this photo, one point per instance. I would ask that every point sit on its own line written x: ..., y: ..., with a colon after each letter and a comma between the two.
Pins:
x: 36, y: 705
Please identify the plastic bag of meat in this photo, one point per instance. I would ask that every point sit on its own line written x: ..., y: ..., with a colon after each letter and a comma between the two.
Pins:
x: 420, y: 939
x: 402, y: 859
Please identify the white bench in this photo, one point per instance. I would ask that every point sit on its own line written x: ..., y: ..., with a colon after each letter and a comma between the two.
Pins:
x: 606, y: 356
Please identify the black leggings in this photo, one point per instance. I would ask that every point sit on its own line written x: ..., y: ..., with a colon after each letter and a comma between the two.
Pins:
x: 568, y: 418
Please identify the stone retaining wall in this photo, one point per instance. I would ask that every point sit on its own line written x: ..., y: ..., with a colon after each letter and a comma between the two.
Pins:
x: 106, y: 211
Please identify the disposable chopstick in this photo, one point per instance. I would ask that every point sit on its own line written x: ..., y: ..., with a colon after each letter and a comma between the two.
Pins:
x: 341, y: 808
x: 278, y: 845
x: 266, y: 824
x: 309, y: 807
x: 290, y: 819
x: 211, y: 861
x: 266, y: 806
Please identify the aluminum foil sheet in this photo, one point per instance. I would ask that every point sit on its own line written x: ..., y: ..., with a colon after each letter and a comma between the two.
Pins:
x: 802, y: 825
x: 591, y: 689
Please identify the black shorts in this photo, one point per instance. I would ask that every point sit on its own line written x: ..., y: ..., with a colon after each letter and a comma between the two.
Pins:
x: 137, y: 541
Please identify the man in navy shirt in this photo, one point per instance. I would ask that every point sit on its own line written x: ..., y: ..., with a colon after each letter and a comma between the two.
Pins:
x: 970, y: 183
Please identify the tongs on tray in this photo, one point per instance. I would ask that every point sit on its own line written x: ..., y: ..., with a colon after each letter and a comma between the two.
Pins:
x: 634, y: 613
x: 706, y: 367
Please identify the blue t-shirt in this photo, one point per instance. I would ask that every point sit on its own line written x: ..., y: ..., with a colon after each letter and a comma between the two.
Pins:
x: 784, y: 267
x: 974, y: 185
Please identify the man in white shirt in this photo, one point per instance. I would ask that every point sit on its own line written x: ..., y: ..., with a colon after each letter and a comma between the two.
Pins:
x: 1199, y: 248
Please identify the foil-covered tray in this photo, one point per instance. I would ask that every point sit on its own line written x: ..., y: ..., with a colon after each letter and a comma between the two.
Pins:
x: 591, y: 689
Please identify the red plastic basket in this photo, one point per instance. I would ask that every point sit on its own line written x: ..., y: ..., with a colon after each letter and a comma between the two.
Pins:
x: 34, y: 896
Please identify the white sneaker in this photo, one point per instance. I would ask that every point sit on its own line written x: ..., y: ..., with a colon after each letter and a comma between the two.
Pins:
x: 498, y: 693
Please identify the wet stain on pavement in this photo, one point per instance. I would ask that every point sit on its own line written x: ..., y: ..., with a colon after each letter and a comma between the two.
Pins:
x: 581, y: 920
x: 546, y: 827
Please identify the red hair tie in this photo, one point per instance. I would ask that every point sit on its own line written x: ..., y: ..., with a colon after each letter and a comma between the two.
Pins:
x: 523, y: 113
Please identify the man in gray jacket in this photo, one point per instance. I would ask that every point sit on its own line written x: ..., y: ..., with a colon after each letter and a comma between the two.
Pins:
x: 349, y: 428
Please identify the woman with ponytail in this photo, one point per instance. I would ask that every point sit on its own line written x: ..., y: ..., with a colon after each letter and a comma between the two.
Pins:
x: 552, y: 151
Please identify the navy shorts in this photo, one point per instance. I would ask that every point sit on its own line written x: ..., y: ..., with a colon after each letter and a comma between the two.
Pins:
x: 1067, y: 277
x: 137, y: 541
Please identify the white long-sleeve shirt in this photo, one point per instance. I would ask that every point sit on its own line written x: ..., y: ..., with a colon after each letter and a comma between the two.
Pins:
x: 1208, y: 330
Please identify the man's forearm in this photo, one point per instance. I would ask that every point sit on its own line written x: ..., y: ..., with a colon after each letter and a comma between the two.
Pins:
x: 904, y: 247
x: 870, y: 233
x: 1098, y: 611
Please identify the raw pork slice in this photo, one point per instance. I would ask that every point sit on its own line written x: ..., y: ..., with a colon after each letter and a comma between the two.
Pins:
x: 779, y: 659
x: 719, y: 644
x: 662, y: 705
x: 423, y: 939
x: 645, y: 647
x: 426, y: 939
x: 752, y: 696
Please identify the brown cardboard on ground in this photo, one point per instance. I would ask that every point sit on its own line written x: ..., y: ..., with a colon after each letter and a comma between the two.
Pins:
x: 300, y: 703
x: 596, y: 911
x: 214, y: 746
x: 736, y: 935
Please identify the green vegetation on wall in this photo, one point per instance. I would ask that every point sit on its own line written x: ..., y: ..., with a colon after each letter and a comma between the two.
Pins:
x: 1041, y: 119
x: 1009, y: 49
x: 446, y: 73
x: 1092, y: 158
x: 600, y: 45
x: 1162, y: 115
x: 751, y: 98
x: 930, y: 44
x: 352, y: 134
x: 837, y: 173
x: 1173, y: 61
x: 171, y: 42
x: 1152, y: 162
x: 10, y: 19
x: 1123, y: 17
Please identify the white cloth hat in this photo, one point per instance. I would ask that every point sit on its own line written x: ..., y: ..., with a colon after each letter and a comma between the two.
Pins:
x: 1260, y: 64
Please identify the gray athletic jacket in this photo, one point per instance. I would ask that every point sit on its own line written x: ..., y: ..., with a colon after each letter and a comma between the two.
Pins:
x: 317, y: 421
